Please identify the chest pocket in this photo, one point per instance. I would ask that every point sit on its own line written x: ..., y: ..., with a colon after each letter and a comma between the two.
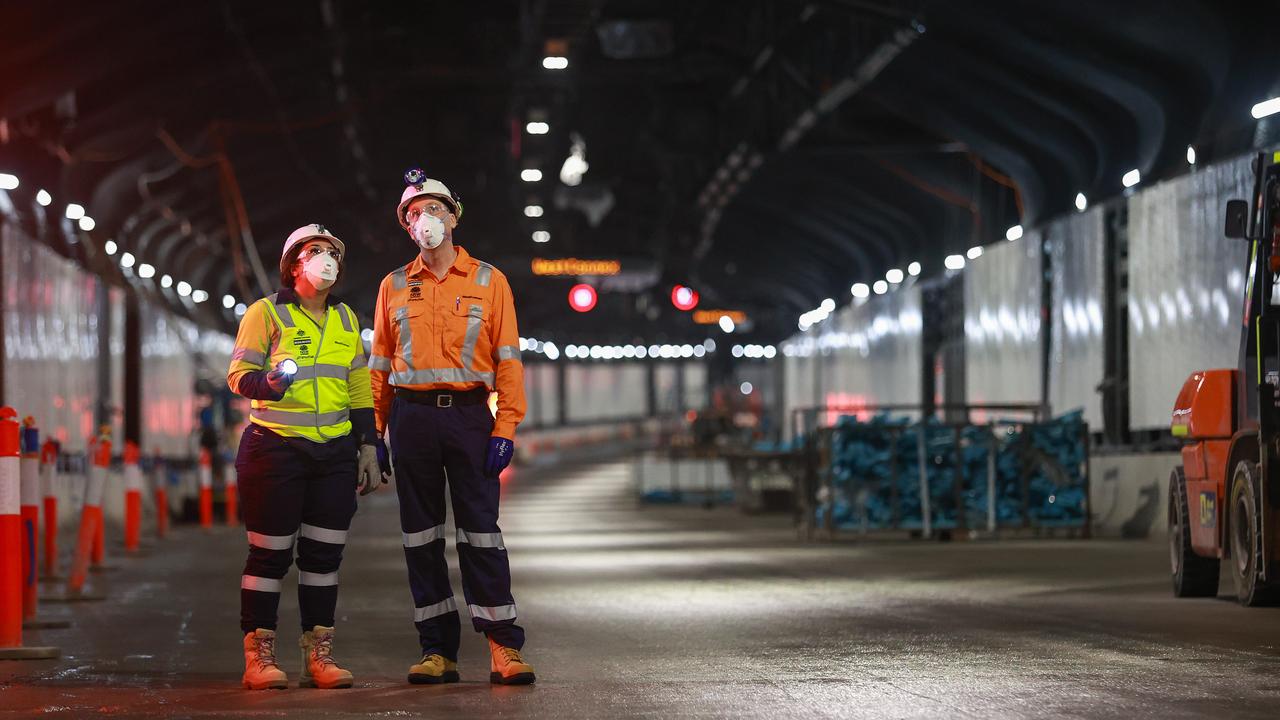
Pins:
x: 467, y: 329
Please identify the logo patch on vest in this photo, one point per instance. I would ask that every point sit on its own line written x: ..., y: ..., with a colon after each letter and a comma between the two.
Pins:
x: 415, y: 293
x: 302, y: 342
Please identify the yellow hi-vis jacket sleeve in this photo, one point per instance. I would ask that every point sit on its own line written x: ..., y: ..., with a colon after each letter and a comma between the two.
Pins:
x: 252, y: 349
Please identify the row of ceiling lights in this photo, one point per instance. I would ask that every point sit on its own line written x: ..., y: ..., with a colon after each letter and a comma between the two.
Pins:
x: 894, y: 277
x: 618, y: 352
x: 78, y: 214
x: 574, y: 167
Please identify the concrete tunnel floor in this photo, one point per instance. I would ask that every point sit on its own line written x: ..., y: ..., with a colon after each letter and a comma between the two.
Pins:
x: 662, y: 611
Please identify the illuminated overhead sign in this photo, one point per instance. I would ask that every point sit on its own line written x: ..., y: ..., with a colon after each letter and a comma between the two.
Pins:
x: 574, y: 267
x: 712, y: 317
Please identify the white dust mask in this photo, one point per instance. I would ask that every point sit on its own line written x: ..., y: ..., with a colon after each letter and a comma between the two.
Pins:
x: 321, y: 270
x: 428, y: 231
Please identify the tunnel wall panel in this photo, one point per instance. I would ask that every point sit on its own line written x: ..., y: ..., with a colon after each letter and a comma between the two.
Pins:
x: 1002, y: 302
x: 51, y: 339
x: 1076, y: 247
x: 605, y: 391
x: 1186, y: 285
x: 541, y: 394
x: 169, y: 373
x: 862, y: 355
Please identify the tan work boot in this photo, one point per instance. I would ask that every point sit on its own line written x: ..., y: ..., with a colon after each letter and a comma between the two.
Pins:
x: 433, y: 670
x: 260, y: 669
x: 319, y: 669
x: 506, y: 667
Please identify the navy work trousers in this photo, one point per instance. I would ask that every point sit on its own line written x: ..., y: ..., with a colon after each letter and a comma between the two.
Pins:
x: 429, y: 445
x: 294, y: 488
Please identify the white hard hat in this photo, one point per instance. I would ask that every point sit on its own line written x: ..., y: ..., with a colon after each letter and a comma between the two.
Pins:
x: 310, y: 232
x: 418, y: 185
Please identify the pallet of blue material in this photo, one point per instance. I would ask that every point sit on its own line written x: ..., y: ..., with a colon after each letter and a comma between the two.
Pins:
x: 1040, y: 473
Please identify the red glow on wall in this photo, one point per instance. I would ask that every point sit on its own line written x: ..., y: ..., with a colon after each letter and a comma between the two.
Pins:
x: 582, y: 297
x: 684, y: 298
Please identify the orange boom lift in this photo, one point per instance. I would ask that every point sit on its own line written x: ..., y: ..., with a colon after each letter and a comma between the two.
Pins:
x: 1224, y: 500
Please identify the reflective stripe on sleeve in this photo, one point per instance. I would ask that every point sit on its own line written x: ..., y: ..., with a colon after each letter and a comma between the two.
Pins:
x: 344, y: 314
x: 317, y: 579
x: 443, y: 607
x: 324, y: 535
x: 493, y: 614
x: 481, y: 540
x: 400, y: 278
x: 249, y: 355
x: 422, y: 537
x: 507, y: 352
x: 282, y: 310
x: 270, y: 542
x: 484, y: 274
x: 259, y: 584
x: 299, y: 419
x: 379, y: 362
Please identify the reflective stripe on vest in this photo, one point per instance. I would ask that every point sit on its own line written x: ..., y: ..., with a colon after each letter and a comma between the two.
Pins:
x: 316, y: 405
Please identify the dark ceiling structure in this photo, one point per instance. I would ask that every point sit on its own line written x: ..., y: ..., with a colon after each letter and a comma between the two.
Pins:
x: 768, y: 154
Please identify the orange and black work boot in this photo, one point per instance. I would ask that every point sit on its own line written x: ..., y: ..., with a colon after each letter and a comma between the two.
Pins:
x: 506, y: 667
x: 260, y: 669
x: 433, y: 670
x: 319, y: 669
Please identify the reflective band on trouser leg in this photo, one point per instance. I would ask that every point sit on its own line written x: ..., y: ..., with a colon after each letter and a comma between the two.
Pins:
x: 260, y: 584
x: 206, y: 488
x: 493, y: 614
x: 10, y: 533
x: 422, y: 537
x: 481, y: 540
x: 324, y: 535
x: 448, y: 605
x: 270, y: 542
x: 317, y: 579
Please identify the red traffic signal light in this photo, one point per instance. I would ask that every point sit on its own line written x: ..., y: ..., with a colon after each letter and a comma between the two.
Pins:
x: 582, y: 297
x: 684, y: 298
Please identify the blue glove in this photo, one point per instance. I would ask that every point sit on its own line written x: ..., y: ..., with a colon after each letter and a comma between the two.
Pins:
x: 384, y: 459
x: 499, y: 457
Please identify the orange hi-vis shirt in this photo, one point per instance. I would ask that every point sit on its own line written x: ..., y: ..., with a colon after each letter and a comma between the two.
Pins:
x: 457, y: 333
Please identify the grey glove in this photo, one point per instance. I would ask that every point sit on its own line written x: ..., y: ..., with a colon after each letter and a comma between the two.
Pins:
x: 369, y: 478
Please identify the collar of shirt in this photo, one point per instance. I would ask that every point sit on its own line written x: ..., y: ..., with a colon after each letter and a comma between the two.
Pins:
x: 462, y: 265
x: 286, y: 295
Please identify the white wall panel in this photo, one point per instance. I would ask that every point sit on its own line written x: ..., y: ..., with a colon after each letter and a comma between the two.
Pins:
x: 51, y: 340
x: 605, y: 391
x: 115, y: 346
x: 695, y: 386
x: 1076, y: 248
x: 541, y: 394
x: 1002, y: 323
x: 168, y: 380
x: 1186, y: 285
x: 864, y: 355
x: 665, y: 386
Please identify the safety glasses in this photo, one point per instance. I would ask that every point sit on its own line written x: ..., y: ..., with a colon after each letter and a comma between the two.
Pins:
x: 316, y: 250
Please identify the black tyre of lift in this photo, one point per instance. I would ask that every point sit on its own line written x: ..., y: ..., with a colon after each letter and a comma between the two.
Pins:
x: 1193, y: 575
x: 1245, y: 541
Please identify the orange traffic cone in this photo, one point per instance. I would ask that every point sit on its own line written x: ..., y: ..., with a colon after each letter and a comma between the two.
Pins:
x: 11, y: 545
x: 90, y: 517
x: 29, y: 478
x: 158, y: 476
x: 206, y: 489
x: 49, y: 482
x: 132, y: 497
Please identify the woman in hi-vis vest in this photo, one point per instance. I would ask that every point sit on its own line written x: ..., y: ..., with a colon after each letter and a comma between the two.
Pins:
x: 308, y: 444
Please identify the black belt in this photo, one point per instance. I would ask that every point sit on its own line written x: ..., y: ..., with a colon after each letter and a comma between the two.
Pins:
x: 444, y: 398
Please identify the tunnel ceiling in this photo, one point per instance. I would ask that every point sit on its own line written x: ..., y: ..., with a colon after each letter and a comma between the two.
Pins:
x: 767, y: 153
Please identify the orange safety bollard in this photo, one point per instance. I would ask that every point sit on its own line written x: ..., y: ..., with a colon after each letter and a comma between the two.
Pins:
x: 206, y: 488
x: 90, y: 516
x: 162, y: 496
x: 49, y: 482
x: 132, y: 497
x: 11, y: 578
x: 29, y: 478
x: 102, y: 446
x: 229, y: 481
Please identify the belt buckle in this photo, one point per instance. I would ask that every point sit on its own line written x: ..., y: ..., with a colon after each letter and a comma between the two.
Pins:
x: 444, y: 401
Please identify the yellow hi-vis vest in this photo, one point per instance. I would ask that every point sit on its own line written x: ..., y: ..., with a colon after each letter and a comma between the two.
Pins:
x: 316, y: 406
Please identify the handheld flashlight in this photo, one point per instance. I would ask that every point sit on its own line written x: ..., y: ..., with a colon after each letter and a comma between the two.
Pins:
x: 288, y: 366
